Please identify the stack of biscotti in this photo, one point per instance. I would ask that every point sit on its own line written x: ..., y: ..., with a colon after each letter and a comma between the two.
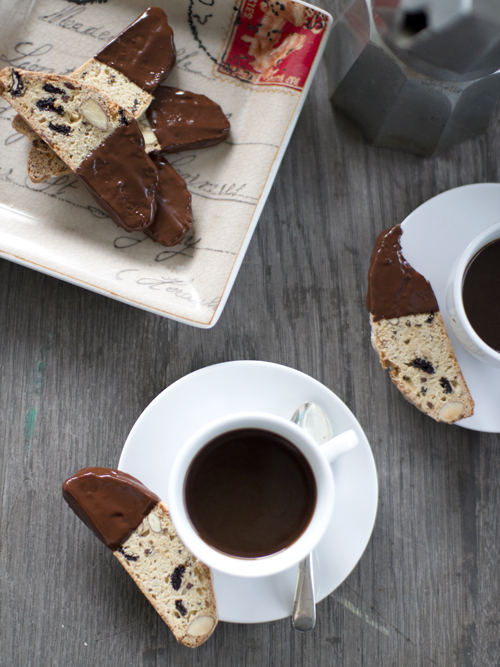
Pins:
x: 128, y: 70
x: 43, y: 162
x: 410, y: 337
x: 136, y: 525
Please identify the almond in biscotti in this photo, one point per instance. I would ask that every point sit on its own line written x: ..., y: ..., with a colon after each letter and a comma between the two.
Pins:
x: 409, y: 335
x: 94, y: 136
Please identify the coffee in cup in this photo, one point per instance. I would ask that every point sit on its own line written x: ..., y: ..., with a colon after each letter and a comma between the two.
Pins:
x: 473, y: 296
x: 275, y: 510
x: 250, y: 493
x: 481, y: 293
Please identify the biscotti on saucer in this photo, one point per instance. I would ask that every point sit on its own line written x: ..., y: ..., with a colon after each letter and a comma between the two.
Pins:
x: 410, y: 337
x: 422, y: 364
x: 178, y: 586
x: 136, y: 525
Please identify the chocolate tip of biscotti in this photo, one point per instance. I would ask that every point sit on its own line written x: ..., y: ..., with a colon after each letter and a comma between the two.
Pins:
x: 174, y: 215
x: 122, y: 178
x: 144, y: 52
x: 110, y: 502
x: 395, y: 289
x: 182, y: 120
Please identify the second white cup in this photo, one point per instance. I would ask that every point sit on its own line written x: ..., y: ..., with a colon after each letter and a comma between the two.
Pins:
x: 455, y: 304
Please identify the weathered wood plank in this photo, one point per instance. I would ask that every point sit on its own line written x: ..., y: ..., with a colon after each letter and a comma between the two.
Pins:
x: 78, y: 369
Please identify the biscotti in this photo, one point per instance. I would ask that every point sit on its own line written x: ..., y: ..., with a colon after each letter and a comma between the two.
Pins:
x: 174, y: 216
x: 72, y: 118
x: 410, y: 337
x: 94, y: 136
x: 182, y: 120
x: 177, y: 584
x: 422, y: 364
x: 42, y: 161
x: 136, y: 525
x: 127, y: 70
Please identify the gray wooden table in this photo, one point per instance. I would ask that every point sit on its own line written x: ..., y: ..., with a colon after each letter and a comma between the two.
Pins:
x: 78, y: 369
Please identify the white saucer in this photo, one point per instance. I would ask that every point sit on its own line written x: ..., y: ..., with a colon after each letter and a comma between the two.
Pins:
x: 433, y: 237
x: 236, y: 386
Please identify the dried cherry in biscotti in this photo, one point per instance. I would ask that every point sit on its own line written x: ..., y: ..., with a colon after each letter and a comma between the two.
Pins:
x: 17, y: 87
x: 180, y: 608
x: 54, y: 90
x: 424, y: 365
x: 447, y: 388
x: 176, y: 577
x: 61, y: 129
x: 130, y: 557
x: 47, y: 104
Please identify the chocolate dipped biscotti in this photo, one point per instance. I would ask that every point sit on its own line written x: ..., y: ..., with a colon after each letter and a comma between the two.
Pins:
x: 94, y: 136
x: 409, y: 335
x: 182, y: 120
x: 133, y: 522
x: 127, y: 70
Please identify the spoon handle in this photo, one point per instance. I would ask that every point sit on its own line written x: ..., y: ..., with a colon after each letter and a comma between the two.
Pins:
x: 304, y: 607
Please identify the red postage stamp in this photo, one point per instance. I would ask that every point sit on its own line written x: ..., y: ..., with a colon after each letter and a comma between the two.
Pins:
x: 273, y: 43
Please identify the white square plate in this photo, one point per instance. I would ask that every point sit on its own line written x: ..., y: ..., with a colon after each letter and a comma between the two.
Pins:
x: 55, y: 227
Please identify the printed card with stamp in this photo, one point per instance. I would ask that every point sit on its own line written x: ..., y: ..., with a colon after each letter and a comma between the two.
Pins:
x: 255, y: 59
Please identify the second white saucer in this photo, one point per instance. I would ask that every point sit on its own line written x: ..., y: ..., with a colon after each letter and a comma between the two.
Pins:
x: 434, y: 235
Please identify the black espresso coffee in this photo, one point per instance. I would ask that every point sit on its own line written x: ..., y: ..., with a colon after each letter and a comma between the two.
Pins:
x: 481, y: 294
x: 250, y: 493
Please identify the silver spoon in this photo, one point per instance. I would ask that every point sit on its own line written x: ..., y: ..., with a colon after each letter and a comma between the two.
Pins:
x: 312, y: 419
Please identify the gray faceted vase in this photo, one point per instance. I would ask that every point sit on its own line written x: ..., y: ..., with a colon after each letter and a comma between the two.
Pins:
x: 377, y: 85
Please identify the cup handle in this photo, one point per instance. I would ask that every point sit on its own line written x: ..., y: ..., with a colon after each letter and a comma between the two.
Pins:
x: 339, y: 445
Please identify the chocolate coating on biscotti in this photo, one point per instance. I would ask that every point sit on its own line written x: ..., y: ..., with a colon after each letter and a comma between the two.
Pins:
x: 110, y: 502
x: 173, y: 216
x: 122, y: 178
x: 183, y: 121
x: 144, y: 52
x: 395, y: 289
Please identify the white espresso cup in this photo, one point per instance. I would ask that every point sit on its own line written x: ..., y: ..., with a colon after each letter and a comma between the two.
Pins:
x: 319, y: 458
x: 455, y: 304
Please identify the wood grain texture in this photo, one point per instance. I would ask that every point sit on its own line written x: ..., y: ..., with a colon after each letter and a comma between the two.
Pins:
x: 78, y: 369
